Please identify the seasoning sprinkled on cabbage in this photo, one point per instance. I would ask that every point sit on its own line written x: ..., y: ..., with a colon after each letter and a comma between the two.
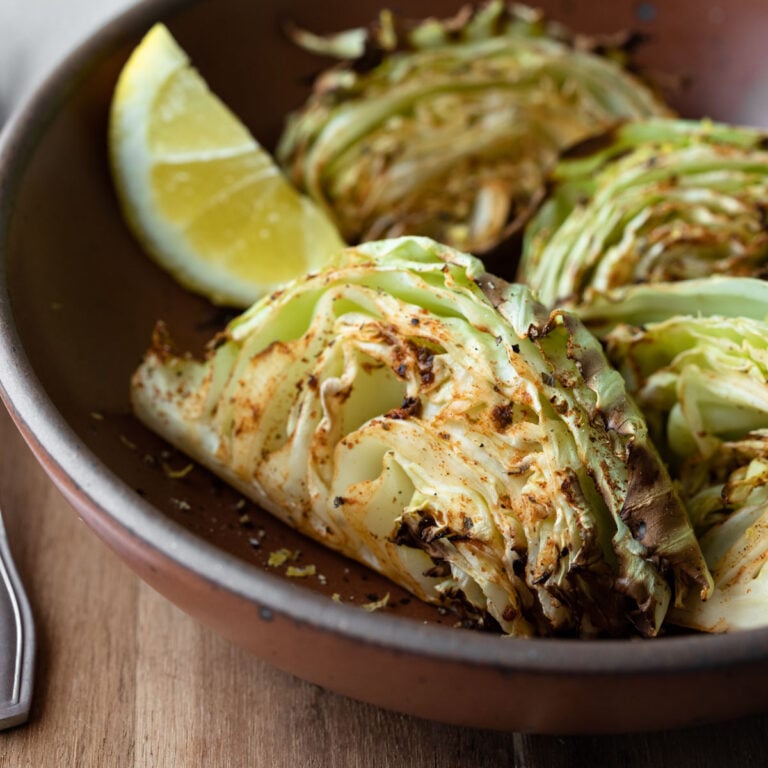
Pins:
x: 695, y: 356
x: 437, y: 424
x: 447, y: 128
x: 654, y: 201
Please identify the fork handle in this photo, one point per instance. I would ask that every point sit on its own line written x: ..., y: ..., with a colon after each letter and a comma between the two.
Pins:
x: 17, y: 642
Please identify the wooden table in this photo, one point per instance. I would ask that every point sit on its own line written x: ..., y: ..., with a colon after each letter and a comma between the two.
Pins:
x: 126, y: 679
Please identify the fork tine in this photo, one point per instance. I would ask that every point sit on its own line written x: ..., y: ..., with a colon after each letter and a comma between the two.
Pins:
x: 17, y: 642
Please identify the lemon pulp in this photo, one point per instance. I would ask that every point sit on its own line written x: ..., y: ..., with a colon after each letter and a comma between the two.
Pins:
x: 205, y: 199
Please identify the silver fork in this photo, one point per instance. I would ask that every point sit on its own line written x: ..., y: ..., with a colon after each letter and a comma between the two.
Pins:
x: 17, y: 642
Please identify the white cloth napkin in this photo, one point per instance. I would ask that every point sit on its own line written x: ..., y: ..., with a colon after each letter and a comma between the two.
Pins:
x: 36, y: 34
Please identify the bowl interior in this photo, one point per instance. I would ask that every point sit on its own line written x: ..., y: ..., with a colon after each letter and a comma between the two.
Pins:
x: 84, y: 297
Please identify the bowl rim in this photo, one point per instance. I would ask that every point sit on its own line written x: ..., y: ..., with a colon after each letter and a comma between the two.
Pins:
x: 102, y: 492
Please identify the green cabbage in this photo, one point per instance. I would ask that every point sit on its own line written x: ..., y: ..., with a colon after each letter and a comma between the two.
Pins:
x: 696, y: 362
x: 447, y: 128
x: 437, y: 424
x: 654, y: 201
x: 652, y: 302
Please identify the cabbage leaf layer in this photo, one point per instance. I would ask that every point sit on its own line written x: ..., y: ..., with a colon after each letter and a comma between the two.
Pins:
x: 411, y: 411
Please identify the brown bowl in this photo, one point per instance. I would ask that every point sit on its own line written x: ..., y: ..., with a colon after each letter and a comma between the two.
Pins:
x: 79, y: 300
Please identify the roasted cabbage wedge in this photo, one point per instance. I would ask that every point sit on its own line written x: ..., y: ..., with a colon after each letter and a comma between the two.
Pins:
x: 652, y: 201
x: 445, y: 128
x: 414, y: 413
x: 696, y: 360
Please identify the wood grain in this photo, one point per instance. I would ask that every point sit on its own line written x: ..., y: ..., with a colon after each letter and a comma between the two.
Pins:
x: 125, y: 679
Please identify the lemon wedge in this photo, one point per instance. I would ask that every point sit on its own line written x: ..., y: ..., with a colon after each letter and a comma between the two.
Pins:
x: 204, y: 198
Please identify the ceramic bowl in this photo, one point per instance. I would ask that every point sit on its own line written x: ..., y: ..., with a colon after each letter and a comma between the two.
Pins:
x: 78, y: 302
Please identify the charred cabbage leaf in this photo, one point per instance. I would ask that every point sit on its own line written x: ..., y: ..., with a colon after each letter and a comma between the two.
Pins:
x: 445, y: 128
x: 653, y: 201
x: 415, y: 414
x: 700, y: 375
